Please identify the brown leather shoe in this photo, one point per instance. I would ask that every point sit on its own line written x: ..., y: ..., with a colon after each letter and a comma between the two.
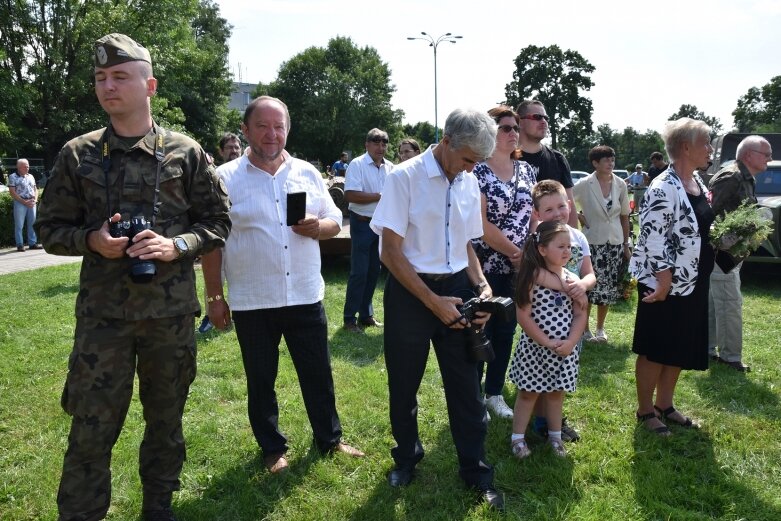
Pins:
x: 36, y: 247
x: 371, y: 321
x: 275, y: 463
x: 347, y: 449
x: 352, y: 327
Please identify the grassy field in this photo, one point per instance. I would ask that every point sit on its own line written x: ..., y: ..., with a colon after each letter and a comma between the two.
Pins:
x: 729, y: 470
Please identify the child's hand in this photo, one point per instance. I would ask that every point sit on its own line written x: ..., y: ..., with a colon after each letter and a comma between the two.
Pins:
x: 575, y: 288
x: 553, y: 344
x: 564, y: 349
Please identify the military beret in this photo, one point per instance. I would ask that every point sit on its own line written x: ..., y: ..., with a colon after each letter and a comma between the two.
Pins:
x: 116, y: 48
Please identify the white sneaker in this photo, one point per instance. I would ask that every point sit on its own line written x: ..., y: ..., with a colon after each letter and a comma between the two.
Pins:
x: 587, y: 336
x: 498, y: 406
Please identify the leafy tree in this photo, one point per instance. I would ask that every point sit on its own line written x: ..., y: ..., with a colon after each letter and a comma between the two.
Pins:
x: 335, y: 95
x: 556, y: 78
x: 46, y: 68
x: 631, y: 147
x: 691, y: 111
x: 759, y: 110
x: 423, y: 132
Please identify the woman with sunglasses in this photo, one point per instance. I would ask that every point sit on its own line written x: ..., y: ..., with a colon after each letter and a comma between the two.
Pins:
x: 505, y: 185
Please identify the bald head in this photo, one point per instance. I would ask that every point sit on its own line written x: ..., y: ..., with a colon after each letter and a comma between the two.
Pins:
x: 754, y: 152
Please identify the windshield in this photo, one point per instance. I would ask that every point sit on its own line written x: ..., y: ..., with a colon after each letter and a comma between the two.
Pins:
x: 769, y: 182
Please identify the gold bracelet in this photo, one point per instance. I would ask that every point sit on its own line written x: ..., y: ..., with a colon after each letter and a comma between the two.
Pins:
x: 212, y: 299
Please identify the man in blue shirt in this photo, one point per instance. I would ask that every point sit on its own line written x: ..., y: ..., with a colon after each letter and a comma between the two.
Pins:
x: 339, y: 168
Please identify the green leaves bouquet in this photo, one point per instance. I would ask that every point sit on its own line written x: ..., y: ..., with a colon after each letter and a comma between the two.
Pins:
x: 738, y: 233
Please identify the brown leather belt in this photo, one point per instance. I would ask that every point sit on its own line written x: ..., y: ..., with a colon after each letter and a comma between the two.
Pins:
x: 436, y: 276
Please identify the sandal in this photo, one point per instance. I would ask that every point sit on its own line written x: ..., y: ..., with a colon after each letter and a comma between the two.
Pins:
x: 687, y: 422
x: 662, y: 430
x: 558, y: 448
x: 519, y: 449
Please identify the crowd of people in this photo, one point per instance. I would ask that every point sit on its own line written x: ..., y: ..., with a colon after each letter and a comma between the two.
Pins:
x: 485, y: 216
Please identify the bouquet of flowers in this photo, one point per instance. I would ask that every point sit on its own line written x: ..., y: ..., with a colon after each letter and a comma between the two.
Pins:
x: 738, y: 233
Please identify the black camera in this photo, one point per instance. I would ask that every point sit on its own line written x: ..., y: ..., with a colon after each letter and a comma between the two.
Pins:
x: 141, y: 271
x: 478, y: 345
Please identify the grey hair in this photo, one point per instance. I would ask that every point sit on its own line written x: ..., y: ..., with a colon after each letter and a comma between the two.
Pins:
x: 473, y: 129
x: 22, y: 160
x: 747, y: 144
x: 683, y: 130
x: 376, y: 133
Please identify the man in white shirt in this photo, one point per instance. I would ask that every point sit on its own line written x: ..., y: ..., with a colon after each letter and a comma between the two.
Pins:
x: 428, y: 214
x: 362, y: 187
x: 274, y: 284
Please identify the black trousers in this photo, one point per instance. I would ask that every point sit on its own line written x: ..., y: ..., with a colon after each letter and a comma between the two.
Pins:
x: 306, y: 334
x: 409, y: 329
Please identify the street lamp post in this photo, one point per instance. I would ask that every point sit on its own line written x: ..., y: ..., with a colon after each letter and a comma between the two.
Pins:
x: 434, y: 42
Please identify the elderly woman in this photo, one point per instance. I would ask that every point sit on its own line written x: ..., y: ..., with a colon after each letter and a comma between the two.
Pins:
x: 672, y: 262
x: 408, y: 148
x: 505, y: 185
x: 604, y: 202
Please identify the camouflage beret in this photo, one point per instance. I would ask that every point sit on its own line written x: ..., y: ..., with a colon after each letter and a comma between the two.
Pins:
x: 116, y: 48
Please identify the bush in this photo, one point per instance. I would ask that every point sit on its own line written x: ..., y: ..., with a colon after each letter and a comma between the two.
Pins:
x: 6, y: 220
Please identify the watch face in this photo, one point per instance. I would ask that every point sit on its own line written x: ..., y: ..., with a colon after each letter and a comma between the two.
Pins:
x: 180, y: 244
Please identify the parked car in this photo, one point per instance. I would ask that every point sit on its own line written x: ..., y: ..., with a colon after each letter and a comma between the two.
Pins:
x: 623, y: 174
x: 578, y: 175
x: 769, y: 196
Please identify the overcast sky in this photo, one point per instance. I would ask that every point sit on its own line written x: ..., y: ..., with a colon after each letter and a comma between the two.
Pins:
x: 650, y: 57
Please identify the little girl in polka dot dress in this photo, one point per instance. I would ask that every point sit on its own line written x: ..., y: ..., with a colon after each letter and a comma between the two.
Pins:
x: 546, y: 358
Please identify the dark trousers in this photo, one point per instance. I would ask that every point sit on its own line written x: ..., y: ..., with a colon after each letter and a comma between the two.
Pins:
x: 306, y: 334
x: 364, y: 269
x: 500, y: 333
x: 106, y: 355
x: 409, y: 329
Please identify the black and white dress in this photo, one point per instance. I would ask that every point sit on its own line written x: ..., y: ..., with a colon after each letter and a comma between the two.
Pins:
x: 536, y: 368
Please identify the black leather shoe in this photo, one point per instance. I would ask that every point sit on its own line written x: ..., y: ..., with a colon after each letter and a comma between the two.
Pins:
x: 400, y: 477
x: 493, y: 498
x: 165, y: 514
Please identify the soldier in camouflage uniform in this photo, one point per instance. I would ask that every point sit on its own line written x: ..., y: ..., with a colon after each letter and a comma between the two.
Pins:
x: 122, y: 326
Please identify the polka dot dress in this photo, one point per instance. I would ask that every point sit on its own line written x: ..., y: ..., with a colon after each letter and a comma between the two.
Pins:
x: 538, y: 369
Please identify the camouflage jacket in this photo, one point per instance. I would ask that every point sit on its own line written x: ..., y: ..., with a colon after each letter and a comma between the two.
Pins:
x: 193, y: 204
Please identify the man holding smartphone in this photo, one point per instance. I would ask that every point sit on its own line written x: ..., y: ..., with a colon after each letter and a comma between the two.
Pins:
x: 274, y: 284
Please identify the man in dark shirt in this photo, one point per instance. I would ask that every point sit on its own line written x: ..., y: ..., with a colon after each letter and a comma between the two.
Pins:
x: 546, y: 162
x: 732, y: 186
x: 657, y: 166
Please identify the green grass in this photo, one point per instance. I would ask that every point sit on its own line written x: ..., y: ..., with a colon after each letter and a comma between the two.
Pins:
x: 729, y: 470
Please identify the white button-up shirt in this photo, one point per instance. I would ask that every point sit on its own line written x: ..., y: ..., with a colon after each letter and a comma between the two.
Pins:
x: 265, y: 263
x: 364, y: 176
x: 436, y: 218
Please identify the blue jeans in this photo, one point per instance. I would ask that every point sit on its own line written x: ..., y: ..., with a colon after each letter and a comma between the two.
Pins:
x: 500, y: 333
x: 364, y: 270
x: 22, y: 212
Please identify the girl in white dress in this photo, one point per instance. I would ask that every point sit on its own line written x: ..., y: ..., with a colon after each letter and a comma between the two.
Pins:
x: 546, y: 360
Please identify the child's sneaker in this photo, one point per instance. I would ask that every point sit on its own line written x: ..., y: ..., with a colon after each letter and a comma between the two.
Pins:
x: 519, y: 449
x: 558, y: 448
x: 567, y: 432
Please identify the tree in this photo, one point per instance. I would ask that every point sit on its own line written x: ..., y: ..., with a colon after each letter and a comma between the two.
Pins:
x: 691, y: 111
x: 759, y: 110
x: 335, y: 95
x: 556, y: 78
x: 46, y: 68
x: 423, y: 132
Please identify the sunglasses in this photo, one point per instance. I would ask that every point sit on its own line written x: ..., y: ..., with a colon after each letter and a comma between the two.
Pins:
x: 509, y: 128
x: 379, y: 140
x: 535, y: 117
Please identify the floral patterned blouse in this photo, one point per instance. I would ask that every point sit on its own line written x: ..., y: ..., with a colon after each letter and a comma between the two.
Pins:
x: 509, y: 207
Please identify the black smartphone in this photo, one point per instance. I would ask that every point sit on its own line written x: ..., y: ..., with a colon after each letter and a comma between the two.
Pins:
x: 296, y: 207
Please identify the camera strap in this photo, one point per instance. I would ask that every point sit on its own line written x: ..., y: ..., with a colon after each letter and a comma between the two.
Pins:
x: 159, y: 152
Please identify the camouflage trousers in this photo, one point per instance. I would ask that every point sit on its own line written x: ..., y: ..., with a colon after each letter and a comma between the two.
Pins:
x: 97, y: 394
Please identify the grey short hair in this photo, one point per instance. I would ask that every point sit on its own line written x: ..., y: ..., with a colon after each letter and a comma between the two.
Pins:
x: 683, y: 130
x: 748, y: 143
x: 376, y: 133
x: 473, y: 129
x: 23, y: 161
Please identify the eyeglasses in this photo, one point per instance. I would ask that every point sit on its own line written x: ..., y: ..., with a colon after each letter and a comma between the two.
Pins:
x: 509, y: 128
x: 379, y: 140
x: 768, y: 155
x: 535, y: 117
